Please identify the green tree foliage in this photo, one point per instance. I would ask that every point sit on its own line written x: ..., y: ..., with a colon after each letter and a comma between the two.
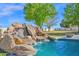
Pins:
x: 68, y: 16
x: 71, y: 16
x: 39, y: 12
x: 76, y: 14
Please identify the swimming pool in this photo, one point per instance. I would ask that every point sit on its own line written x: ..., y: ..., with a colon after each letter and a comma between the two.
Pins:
x: 61, y: 47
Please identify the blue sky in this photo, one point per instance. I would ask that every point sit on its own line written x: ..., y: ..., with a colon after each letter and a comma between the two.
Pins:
x: 13, y: 12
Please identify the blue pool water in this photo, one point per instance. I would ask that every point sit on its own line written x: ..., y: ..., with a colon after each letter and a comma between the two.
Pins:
x: 58, y: 48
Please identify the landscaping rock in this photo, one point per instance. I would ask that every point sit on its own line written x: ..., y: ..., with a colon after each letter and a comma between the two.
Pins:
x: 8, y: 45
x: 29, y: 41
x: 7, y: 42
x: 31, y: 31
x: 24, y: 50
x: 36, y: 33
x: 20, y: 38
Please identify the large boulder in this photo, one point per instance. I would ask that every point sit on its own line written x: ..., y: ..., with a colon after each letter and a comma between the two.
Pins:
x: 7, y: 42
x: 24, y: 50
x: 8, y: 45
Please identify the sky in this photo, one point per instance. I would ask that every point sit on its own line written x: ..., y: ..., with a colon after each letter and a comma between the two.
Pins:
x: 13, y: 12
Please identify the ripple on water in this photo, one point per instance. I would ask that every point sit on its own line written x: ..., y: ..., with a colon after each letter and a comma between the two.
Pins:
x: 58, y: 48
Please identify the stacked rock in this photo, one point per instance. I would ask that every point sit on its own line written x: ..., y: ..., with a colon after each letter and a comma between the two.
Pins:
x: 19, y: 39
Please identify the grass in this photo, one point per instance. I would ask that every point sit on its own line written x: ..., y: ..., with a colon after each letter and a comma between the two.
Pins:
x: 2, y: 54
x: 60, y: 33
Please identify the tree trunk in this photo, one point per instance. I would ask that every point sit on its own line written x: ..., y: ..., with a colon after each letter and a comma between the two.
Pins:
x: 78, y: 29
x: 49, y: 28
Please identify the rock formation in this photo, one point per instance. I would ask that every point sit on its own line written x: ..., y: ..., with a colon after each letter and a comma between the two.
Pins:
x: 8, y: 44
x: 36, y: 33
x: 19, y: 39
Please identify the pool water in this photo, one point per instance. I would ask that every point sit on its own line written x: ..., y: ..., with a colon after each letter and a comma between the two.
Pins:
x: 60, y: 47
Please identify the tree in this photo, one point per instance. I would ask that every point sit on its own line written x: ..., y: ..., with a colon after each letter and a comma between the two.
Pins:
x: 71, y: 16
x: 39, y: 12
x: 76, y: 15
x: 68, y: 16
